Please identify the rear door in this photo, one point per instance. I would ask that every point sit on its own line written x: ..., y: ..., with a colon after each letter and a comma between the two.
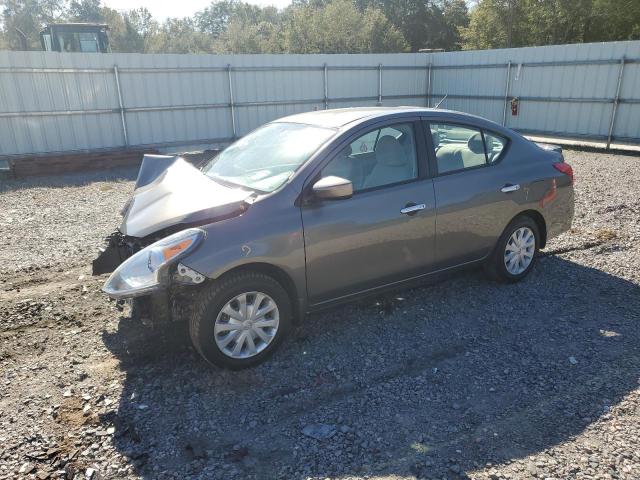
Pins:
x: 385, y: 232
x: 476, y: 190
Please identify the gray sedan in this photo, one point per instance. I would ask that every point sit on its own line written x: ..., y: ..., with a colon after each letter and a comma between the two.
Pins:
x: 324, y: 207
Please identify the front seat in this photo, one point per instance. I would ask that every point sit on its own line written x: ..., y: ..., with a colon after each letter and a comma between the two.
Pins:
x: 344, y: 166
x: 393, y: 165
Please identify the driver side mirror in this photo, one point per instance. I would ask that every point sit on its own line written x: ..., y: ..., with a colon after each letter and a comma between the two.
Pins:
x: 333, y: 188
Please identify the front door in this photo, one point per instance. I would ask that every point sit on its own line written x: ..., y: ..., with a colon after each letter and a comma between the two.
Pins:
x: 385, y: 232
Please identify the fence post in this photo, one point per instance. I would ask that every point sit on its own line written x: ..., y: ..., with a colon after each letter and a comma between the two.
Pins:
x: 429, y: 86
x: 121, y: 105
x: 326, y: 87
x: 232, y: 103
x: 380, y: 84
x: 506, y: 95
x: 616, y: 100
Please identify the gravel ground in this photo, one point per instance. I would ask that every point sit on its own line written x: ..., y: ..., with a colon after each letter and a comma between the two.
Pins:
x: 461, y: 379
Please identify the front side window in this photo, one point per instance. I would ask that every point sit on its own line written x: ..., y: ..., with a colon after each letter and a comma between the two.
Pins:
x: 379, y: 157
x: 457, y: 147
x: 265, y: 158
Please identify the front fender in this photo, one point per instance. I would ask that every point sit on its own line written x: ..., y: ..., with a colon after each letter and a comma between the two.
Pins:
x: 263, y: 234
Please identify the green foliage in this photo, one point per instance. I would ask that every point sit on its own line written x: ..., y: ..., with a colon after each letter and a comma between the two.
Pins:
x: 215, y: 19
x: 178, y: 35
x: 517, y: 23
x: 334, y: 26
x: 22, y: 21
x: 330, y: 27
x: 339, y: 27
x: 424, y: 24
x: 246, y: 37
x: 88, y: 11
x: 614, y: 20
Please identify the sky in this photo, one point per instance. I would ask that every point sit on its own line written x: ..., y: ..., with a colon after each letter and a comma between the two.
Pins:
x: 162, y: 9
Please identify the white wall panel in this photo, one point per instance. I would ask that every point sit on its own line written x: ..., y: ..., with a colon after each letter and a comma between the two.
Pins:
x: 54, y: 102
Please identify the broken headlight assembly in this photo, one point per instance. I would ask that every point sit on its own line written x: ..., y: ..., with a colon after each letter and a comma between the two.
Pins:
x: 146, y: 271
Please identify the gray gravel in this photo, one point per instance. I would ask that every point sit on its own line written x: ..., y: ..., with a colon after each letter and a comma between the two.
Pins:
x: 461, y: 379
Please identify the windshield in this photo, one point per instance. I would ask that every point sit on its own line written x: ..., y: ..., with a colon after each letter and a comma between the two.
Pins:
x: 266, y: 158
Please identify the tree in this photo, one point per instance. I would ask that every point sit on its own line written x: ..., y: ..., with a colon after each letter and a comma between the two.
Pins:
x: 553, y: 22
x: 243, y: 37
x: 424, y: 23
x: 139, y: 30
x: 613, y: 20
x: 215, y: 19
x: 87, y: 11
x: 23, y: 19
x: 496, y: 24
x: 334, y: 26
x: 517, y: 23
x: 455, y: 17
x: 328, y: 27
x: 179, y: 35
x: 339, y: 27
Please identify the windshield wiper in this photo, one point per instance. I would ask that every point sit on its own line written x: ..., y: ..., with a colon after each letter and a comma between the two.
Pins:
x: 230, y: 184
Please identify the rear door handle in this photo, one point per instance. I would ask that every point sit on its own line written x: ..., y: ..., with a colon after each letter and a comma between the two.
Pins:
x: 510, y: 188
x: 412, y: 209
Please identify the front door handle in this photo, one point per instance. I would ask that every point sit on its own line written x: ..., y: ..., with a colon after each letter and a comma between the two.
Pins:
x: 412, y: 209
x: 510, y: 188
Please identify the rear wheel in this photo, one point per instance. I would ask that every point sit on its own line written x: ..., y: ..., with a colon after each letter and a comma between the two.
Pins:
x: 515, y: 252
x: 240, y: 321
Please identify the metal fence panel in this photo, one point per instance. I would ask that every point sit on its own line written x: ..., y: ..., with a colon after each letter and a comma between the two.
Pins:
x: 59, y: 102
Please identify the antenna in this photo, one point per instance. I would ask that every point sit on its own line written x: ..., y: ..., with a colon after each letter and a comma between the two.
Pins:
x: 440, y: 102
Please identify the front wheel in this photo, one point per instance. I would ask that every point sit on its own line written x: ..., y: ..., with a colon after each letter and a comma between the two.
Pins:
x: 240, y: 320
x: 515, y: 252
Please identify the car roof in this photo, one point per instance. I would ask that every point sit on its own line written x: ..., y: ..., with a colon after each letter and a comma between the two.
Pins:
x: 339, y: 117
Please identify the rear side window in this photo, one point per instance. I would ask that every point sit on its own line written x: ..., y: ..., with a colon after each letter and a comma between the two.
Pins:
x: 457, y: 147
x: 495, y: 145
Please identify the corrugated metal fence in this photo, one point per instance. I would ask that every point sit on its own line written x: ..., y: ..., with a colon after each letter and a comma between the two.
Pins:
x: 53, y: 102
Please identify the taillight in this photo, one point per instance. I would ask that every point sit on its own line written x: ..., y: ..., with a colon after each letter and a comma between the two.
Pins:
x: 564, y: 168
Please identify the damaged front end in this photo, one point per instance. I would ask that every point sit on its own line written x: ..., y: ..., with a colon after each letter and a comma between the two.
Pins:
x: 118, y: 248
x: 160, y: 226
x: 151, y: 279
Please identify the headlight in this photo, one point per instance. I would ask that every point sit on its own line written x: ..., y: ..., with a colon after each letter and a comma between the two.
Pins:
x: 142, y: 273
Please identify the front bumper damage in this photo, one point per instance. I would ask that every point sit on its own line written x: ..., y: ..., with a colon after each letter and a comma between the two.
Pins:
x: 118, y: 248
x: 170, y: 303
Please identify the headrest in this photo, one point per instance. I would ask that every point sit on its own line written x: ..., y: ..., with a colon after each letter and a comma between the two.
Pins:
x: 475, y: 143
x: 389, y: 152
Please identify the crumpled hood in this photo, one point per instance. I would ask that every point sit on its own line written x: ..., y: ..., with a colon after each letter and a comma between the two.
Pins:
x: 176, y: 192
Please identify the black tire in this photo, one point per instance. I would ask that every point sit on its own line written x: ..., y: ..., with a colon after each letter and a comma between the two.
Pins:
x: 211, y: 301
x: 495, y: 266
